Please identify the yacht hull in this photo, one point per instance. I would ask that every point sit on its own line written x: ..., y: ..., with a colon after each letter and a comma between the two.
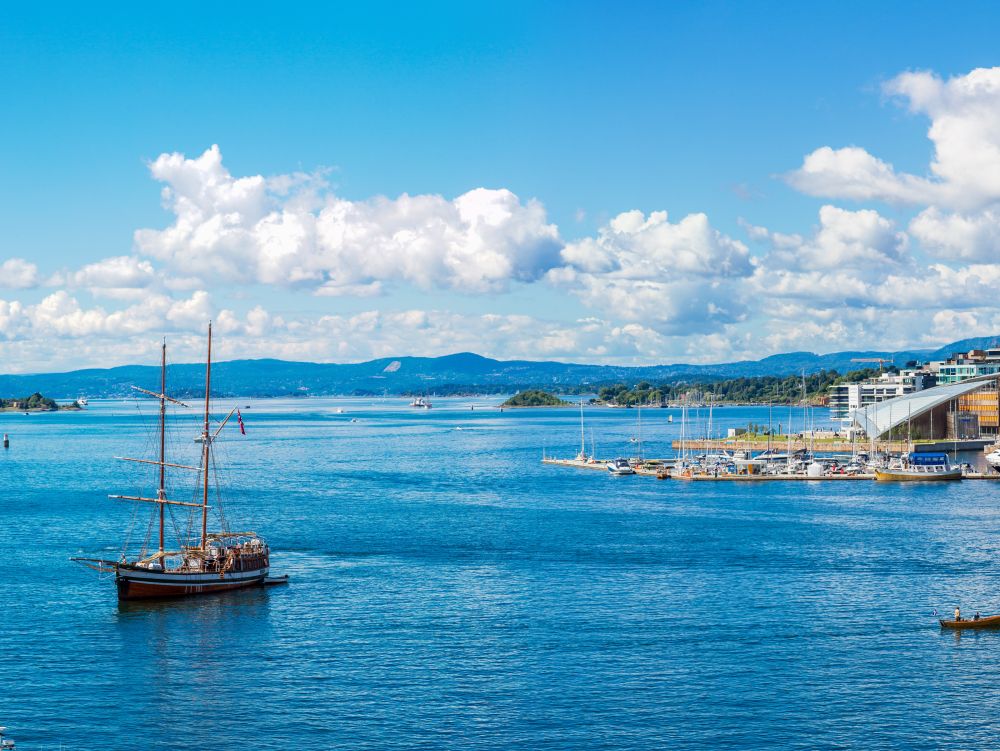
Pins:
x: 135, y: 584
x: 900, y: 475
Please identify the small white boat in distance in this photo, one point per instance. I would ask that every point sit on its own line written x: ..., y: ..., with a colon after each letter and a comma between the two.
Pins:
x: 421, y: 403
x: 620, y: 467
x: 5, y: 743
x: 82, y: 401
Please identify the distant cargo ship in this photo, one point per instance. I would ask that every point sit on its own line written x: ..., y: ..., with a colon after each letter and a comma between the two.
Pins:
x: 200, y: 564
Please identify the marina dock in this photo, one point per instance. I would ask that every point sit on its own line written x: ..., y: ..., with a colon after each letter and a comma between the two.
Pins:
x: 662, y: 468
x: 650, y: 468
x: 824, y: 445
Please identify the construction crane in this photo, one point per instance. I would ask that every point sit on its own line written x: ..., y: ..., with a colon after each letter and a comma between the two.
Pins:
x: 879, y: 360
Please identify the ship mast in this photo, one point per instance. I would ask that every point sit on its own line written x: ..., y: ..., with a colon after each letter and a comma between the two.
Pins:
x: 161, y: 493
x: 206, y: 441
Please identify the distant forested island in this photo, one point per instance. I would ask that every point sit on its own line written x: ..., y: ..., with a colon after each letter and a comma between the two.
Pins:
x: 34, y: 403
x: 757, y: 390
x: 535, y: 398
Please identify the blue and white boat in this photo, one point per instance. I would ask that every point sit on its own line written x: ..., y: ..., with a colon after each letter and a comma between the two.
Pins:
x: 620, y: 467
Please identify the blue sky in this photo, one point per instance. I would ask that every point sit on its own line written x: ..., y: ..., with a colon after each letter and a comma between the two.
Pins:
x: 582, y: 112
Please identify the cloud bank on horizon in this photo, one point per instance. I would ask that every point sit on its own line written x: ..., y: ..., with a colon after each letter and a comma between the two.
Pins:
x: 656, y: 288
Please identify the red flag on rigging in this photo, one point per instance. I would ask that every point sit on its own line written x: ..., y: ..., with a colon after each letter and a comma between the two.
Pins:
x: 239, y: 419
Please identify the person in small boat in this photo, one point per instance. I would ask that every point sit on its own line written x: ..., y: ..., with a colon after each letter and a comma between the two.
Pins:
x: 958, y: 614
x: 976, y: 616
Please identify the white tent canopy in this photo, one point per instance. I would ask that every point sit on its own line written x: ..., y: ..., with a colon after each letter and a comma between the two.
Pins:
x: 878, y: 419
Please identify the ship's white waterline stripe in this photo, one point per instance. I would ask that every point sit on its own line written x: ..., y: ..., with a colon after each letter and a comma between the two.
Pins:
x: 208, y: 577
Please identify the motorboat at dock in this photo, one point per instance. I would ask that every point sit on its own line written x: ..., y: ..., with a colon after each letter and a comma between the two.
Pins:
x: 620, y: 467
x: 993, y: 456
x: 919, y: 467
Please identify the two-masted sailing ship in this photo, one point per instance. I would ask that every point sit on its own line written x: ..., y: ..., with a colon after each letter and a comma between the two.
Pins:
x: 202, y: 563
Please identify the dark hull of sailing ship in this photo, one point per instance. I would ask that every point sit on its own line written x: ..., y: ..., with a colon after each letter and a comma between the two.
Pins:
x: 231, y: 561
x: 135, y: 583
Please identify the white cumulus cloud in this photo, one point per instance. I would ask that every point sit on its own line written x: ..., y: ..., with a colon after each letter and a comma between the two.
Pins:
x: 964, y: 174
x: 673, y: 277
x: 122, y: 277
x: 292, y: 231
x: 959, y: 236
x: 17, y: 273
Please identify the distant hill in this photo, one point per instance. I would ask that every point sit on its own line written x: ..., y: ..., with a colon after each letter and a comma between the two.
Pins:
x: 464, y: 372
x: 964, y: 345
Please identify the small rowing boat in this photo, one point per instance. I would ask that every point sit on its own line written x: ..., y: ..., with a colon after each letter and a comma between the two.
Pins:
x: 988, y: 621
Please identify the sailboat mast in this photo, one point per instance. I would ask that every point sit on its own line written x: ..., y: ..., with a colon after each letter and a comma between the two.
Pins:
x: 788, y: 459
x: 710, y: 404
x: 162, y: 491
x: 206, y: 441
x: 684, y: 413
x: 583, y: 443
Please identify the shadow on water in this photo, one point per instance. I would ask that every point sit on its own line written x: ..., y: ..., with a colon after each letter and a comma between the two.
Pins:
x: 206, y: 608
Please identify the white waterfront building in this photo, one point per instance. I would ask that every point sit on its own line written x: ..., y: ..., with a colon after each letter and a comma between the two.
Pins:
x: 847, y: 397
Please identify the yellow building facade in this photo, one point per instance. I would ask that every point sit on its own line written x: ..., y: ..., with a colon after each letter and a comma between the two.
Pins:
x: 984, y: 403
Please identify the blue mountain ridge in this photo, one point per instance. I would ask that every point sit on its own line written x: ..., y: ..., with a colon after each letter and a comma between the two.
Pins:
x: 463, y: 372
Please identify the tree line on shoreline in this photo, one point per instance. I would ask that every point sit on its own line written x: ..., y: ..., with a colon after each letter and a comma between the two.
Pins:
x: 34, y: 403
x: 753, y: 390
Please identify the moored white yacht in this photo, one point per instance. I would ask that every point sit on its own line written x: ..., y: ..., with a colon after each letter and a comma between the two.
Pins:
x: 620, y: 467
x: 421, y: 403
x: 993, y: 457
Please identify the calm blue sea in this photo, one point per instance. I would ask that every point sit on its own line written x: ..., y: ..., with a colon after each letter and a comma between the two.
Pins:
x: 449, y: 591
